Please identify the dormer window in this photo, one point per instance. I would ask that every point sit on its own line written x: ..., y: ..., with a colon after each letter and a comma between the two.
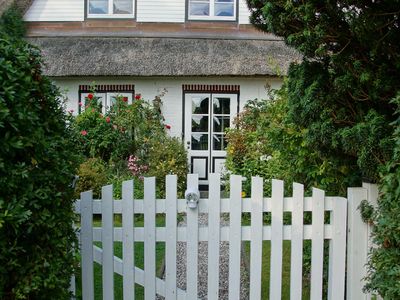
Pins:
x: 224, y: 10
x: 110, y: 8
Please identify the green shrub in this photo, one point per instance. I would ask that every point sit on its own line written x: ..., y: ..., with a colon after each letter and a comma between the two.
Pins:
x: 120, y: 132
x: 132, y: 141
x: 265, y: 143
x: 37, y: 164
x: 92, y: 176
x: 98, y: 136
x: 384, y: 270
x: 167, y: 156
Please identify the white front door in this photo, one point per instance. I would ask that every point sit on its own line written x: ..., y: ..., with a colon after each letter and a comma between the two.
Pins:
x: 207, y: 115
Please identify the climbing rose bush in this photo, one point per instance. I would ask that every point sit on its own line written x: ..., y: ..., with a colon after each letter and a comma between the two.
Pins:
x: 131, y: 140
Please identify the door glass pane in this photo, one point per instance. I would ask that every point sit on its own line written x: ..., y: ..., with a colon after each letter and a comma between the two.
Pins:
x: 199, y: 123
x: 98, y: 6
x: 199, y: 8
x: 219, y: 142
x: 200, y: 105
x: 123, y: 7
x: 222, y: 105
x: 224, y: 9
x: 220, y: 124
x: 199, y: 141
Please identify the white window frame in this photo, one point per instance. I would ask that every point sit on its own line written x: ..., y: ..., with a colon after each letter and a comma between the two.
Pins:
x: 105, y: 98
x: 116, y: 94
x: 212, y: 13
x: 111, y: 14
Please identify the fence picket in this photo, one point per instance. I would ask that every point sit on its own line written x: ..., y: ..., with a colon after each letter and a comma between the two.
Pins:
x: 235, y: 236
x: 256, y: 237
x: 296, y: 268
x: 214, y: 223
x: 192, y: 244
x: 107, y: 238
x: 150, y: 238
x: 276, y: 239
x: 256, y: 233
x: 87, y: 245
x: 128, y: 241
x: 337, y: 251
x: 171, y: 238
x: 317, y: 242
x: 357, y: 246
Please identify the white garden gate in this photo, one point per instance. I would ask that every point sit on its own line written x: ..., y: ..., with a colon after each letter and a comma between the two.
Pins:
x: 318, y: 232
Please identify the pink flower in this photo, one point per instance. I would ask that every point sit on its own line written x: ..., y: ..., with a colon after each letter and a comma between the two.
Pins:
x: 108, y: 120
x: 168, y: 126
x: 138, y: 96
x: 80, y: 104
x: 84, y: 132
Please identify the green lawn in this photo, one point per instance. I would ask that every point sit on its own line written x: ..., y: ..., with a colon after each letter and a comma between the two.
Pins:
x: 285, y: 271
x: 139, y: 262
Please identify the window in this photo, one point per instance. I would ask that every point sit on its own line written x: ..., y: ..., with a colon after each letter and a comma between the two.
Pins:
x: 224, y: 10
x: 110, y: 8
x: 106, y: 95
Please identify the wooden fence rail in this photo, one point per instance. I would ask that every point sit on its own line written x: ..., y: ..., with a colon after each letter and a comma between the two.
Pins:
x: 321, y: 230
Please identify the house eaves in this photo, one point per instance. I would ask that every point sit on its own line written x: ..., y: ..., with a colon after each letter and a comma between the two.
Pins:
x: 152, y: 56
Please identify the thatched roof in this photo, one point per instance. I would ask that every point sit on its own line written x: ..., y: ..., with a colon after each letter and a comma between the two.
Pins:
x: 106, y: 56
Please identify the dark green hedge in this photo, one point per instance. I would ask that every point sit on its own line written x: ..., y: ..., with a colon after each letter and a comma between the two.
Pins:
x: 36, y: 168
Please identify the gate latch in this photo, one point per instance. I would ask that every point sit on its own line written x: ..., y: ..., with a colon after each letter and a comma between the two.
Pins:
x: 192, y: 198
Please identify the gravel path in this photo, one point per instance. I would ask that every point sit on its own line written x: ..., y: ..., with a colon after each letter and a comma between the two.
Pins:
x: 202, y: 267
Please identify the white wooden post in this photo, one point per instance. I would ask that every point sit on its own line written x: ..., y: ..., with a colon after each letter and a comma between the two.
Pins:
x: 192, y: 242
x: 214, y: 222
x: 296, y: 269
x: 337, y: 250
x: 317, y: 243
x: 235, y: 236
x: 256, y: 238
x: 275, y: 289
x: 171, y: 235
x: 149, y: 238
x: 128, y: 241
x: 107, y: 238
x: 87, y: 245
x: 357, y: 245
x: 358, y: 240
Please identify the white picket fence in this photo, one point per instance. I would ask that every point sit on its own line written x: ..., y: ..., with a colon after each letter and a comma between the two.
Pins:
x: 318, y: 232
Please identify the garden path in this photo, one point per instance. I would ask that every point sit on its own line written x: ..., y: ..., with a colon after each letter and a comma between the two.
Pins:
x: 202, y: 267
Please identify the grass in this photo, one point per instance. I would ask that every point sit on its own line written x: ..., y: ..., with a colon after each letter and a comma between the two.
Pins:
x: 265, y: 279
x: 139, y: 262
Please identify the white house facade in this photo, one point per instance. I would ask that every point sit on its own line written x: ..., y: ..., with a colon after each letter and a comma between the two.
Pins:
x: 203, y: 56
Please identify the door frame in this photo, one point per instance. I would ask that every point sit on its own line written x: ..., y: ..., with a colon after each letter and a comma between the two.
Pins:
x: 206, y: 89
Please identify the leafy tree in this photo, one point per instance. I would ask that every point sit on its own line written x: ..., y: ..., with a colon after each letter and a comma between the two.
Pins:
x: 344, y: 95
x: 341, y: 92
x: 37, y: 164
x: 265, y: 143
